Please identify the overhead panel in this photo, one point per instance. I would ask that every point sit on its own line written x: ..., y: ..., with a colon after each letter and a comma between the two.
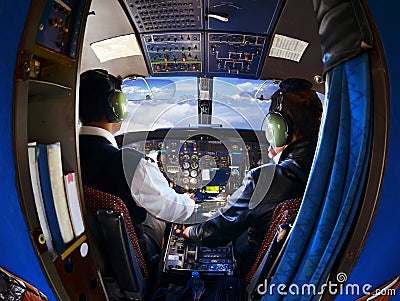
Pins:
x: 174, y: 53
x: 235, y: 55
x: 204, y: 38
x: 166, y: 15
x: 255, y: 16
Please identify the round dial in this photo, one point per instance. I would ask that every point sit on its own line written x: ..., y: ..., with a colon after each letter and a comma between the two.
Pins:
x: 235, y: 172
x: 207, y: 158
x: 173, y: 159
x: 235, y: 147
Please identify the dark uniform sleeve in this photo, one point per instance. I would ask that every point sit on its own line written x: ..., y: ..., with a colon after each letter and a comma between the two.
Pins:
x: 231, y: 222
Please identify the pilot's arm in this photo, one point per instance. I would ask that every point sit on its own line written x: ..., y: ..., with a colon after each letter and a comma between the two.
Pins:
x: 247, y: 207
x: 231, y: 223
x: 151, y: 190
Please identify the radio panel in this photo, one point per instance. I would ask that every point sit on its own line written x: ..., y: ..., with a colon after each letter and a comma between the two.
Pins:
x: 182, y: 256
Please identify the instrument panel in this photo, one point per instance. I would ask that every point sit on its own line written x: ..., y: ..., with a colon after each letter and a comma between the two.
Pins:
x: 182, y: 37
x: 211, y: 163
x: 207, y: 163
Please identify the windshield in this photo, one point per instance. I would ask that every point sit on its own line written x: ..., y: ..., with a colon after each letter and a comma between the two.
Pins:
x: 234, y: 104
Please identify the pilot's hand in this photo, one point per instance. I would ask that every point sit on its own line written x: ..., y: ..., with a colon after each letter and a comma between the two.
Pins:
x: 185, y: 232
x: 191, y: 195
x: 273, y: 152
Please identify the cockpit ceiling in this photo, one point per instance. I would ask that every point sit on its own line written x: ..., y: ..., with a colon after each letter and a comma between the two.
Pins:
x: 211, y: 38
x: 204, y: 38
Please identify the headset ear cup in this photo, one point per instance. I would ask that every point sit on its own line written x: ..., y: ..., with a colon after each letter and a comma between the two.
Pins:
x: 278, y: 129
x: 117, y: 107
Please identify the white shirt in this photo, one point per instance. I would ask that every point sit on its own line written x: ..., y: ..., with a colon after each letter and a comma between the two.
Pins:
x: 149, y: 187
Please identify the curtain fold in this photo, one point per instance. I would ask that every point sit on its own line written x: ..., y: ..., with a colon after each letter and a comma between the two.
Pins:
x: 334, y: 188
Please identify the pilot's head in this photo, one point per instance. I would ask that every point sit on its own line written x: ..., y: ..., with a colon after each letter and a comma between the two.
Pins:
x: 295, y: 112
x: 100, y: 98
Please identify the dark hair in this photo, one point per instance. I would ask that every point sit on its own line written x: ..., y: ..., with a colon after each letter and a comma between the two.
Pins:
x: 94, y: 91
x: 302, y: 105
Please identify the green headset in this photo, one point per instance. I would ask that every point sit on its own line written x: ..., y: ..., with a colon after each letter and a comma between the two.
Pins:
x: 279, y: 126
x: 115, y: 105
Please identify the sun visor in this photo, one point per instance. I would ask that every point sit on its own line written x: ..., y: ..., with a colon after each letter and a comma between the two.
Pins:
x: 115, y: 48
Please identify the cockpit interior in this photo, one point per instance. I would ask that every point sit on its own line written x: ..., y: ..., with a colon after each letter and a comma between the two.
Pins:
x: 198, y: 76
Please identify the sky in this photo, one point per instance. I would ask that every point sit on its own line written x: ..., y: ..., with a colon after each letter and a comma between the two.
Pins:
x: 175, y: 104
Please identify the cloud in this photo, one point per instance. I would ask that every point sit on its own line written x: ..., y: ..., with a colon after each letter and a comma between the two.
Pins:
x: 234, y: 105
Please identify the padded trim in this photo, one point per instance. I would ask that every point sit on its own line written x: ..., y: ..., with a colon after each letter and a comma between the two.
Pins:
x: 343, y: 21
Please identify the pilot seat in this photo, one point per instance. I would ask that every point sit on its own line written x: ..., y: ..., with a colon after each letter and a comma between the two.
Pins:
x: 117, y: 246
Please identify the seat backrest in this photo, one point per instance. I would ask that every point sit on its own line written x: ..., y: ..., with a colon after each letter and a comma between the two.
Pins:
x: 258, y: 285
x: 282, y: 213
x: 120, y: 239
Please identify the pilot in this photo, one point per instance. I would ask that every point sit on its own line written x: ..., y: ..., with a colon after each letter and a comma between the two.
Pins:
x: 292, y: 130
x: 124, y: 172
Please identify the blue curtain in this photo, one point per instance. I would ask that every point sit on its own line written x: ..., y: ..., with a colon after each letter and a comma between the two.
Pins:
x: 335, y: 185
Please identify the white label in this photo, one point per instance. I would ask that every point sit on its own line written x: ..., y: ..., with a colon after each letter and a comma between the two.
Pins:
x: 287, y: 48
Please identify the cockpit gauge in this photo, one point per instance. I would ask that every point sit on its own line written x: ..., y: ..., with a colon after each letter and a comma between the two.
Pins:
x: 235, y: 147
x: 235, y: 173
x: 172, y: 159
x: 191, y: 164
x: 206, y: 158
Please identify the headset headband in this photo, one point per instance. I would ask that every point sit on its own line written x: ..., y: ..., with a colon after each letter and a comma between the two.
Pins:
x: 289, y: 85
x: 279, y: 129
x: 115, y: 108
